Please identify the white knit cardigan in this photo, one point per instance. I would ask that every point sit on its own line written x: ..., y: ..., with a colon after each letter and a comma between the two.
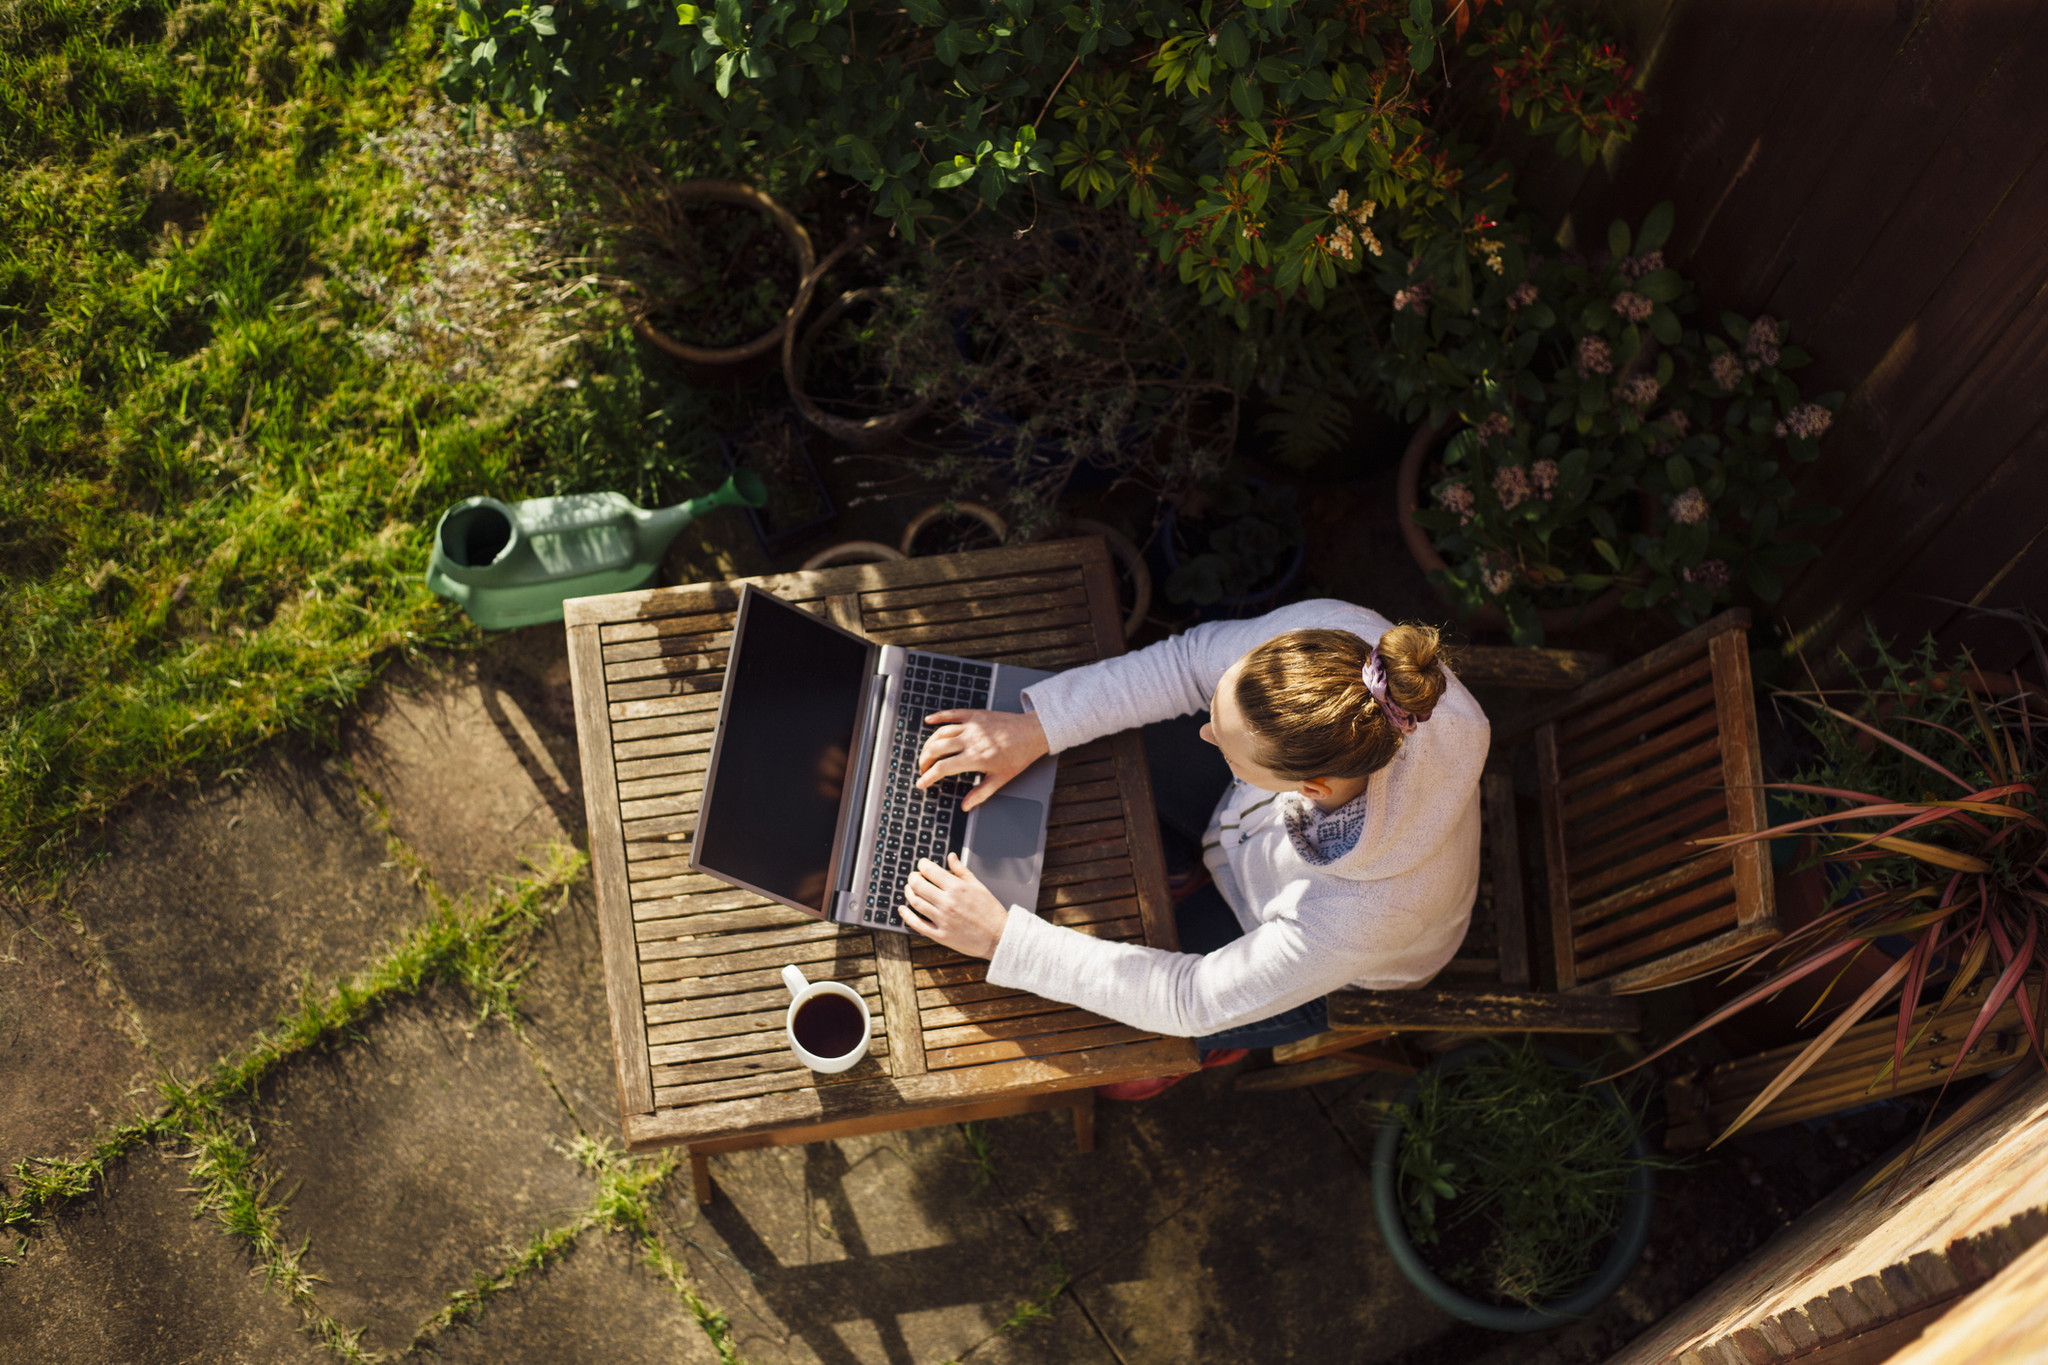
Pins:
x: 1387, y: 915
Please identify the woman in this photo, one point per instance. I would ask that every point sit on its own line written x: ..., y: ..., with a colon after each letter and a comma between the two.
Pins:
x: 1344, y: 852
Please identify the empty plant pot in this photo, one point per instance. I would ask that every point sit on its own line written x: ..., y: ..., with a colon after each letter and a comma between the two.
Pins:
x: 711, y: 358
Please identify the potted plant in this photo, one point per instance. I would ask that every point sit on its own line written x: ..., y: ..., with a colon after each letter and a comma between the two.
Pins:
x: 1233, y: 547
x: 1058, y: 359
x: 946, y: 528
x: 712, y: 265
x: 835, y: 358
x: 1924, y: 801
x: 1513, y: 1195
x: 798, y: 505
x: 1600, y: 453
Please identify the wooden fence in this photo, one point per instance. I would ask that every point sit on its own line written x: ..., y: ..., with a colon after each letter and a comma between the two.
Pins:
x: 1874, y: 172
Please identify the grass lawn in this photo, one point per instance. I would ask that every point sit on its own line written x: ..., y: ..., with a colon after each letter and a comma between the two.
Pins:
x: 263, y: 313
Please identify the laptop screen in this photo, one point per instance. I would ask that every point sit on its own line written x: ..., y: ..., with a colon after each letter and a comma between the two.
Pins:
x: 792, y: 690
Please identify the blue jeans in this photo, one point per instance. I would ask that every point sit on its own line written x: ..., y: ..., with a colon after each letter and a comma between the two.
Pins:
x: 1188, y: 778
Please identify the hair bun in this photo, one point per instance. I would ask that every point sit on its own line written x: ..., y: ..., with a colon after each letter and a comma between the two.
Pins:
x: 1414, y: 659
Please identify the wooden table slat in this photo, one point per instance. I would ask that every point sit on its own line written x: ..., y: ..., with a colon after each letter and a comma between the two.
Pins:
x: 698, y: 704
x: 948, y: 1038
x: 1036, y: 1045
x: 1017, y: 585
x: 800, y: 1105
x: 954, y: 608
x: 727, y: 991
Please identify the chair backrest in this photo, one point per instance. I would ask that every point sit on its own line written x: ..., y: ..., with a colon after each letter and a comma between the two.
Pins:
x: 1633, y: 767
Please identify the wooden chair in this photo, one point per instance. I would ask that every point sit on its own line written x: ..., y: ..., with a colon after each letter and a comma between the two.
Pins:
x: 1631, y: 766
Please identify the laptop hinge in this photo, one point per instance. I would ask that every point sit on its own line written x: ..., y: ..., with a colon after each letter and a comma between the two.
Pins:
x: 874, y: 715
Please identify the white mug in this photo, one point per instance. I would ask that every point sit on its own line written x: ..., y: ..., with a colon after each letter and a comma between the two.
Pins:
x: 802, y: 990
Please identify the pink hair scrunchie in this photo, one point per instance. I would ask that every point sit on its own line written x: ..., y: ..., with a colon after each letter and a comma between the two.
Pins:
x: 1376, y: 683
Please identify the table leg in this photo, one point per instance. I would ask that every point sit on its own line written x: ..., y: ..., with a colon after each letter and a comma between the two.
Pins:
x: 700, y: 1177
x: 1084, y: 1123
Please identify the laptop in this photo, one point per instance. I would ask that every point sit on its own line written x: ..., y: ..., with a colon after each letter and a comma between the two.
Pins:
x: 810, y: 796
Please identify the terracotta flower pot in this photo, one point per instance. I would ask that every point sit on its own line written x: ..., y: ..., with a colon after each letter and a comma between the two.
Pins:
x: 869, y: 433
x: 1407, y: 494
x: 711, y: 359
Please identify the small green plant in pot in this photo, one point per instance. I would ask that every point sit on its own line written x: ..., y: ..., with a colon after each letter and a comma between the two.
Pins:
x: 1512, y: 1194
x: 1235, y: 544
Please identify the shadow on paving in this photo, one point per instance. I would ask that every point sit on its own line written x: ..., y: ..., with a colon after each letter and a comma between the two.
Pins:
x: 211, y: 908
x: 130, y: 1275
x: 478, y: 762
x: 1207, y: 1226
x: 428, y: 1151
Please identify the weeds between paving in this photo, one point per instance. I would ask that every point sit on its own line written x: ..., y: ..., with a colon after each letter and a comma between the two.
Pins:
x: 484, y: 950
x: 265, y: 310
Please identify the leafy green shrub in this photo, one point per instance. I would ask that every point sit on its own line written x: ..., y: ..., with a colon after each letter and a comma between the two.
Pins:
x: 1270, y: 150
x: 1599, y: 441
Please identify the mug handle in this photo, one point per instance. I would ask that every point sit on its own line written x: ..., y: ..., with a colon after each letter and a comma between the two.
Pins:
x: 795, y: 980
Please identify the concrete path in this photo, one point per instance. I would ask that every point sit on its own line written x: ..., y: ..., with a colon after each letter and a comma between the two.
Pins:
x: 425, y: 1181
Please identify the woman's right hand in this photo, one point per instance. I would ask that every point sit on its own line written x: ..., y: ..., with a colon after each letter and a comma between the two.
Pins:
x: 996, y: 744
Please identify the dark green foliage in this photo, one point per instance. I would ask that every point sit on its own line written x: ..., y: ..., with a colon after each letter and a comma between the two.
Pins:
x: 1532, y: 1161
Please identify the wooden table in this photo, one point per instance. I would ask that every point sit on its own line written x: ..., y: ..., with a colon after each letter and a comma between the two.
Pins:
x: 691, y: 963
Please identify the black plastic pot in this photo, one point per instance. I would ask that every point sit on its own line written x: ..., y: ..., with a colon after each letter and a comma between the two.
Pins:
x: 776, y: 537
x: 1630, y: 1238
x: 1238, y: 606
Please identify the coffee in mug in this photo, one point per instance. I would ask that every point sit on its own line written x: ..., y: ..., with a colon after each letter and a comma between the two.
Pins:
x: 827, y: 1023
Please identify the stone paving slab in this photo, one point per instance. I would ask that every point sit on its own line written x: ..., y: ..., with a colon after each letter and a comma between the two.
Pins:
x: 1211, y: 1224
x: 212, y: 906
x: 876, y: 1249
x: 67, y: 1067
x: 478, y: 762
x: 428, y: 1151
x: 562, y: 1006
x: 128, y: 1275
x: 597, y: 1304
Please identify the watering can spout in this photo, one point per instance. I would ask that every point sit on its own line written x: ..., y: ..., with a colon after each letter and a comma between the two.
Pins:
x: 744, y: 489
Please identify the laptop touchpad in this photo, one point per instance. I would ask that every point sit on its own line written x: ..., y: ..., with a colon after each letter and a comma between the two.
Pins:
x: 1004, y: 849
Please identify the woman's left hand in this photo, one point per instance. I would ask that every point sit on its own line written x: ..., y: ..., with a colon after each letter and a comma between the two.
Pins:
x: 949, y: 905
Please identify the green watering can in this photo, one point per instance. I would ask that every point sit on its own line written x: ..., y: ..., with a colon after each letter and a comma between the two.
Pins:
x: 514, y: 565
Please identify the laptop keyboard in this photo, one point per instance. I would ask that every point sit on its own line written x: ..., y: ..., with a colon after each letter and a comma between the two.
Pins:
x: 921, y: 824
